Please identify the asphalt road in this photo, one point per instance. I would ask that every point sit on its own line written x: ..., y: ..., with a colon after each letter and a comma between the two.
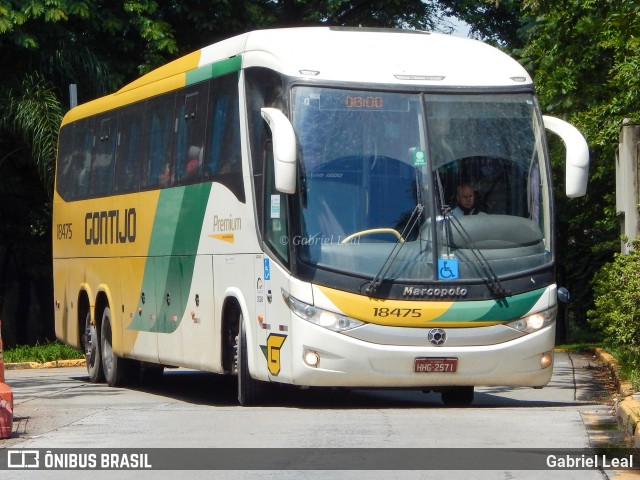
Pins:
x: 59, y: 408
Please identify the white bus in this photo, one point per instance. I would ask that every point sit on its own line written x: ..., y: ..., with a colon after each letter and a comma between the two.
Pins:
x: 280, y: 206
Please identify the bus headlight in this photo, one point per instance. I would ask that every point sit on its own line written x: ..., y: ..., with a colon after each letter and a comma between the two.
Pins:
x: 535, y: 322
x: 324, y: 318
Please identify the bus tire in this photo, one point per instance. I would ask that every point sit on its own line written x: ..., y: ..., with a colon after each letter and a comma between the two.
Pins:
x: 458, y: 396
x: 92, y: 351
x: 250, y: 390
x: 114, y: 367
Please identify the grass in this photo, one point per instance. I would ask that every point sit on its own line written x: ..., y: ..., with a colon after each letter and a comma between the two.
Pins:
x: 629, y: 361
x: 578, y: 346
x: 41, y: 353
x: 628, y: 357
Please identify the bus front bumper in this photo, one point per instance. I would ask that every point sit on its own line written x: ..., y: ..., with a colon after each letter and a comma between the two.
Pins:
x: 348, y: 362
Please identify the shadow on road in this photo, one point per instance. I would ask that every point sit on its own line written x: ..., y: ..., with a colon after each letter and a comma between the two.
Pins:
x: 203, y: 388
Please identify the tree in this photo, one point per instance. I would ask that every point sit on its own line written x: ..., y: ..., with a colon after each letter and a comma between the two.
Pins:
x: 585, y: 58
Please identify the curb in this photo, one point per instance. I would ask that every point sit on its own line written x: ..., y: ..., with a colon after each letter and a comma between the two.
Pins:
x: 627, y: 405
x: 36, y: 365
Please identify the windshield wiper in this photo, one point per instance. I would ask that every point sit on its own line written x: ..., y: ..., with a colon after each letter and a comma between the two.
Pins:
x: 379, y: 277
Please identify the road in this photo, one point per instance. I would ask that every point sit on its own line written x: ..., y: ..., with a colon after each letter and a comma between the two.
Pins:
x: 59, y: 408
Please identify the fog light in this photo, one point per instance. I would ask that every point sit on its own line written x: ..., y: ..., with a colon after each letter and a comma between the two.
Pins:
x: 546, y: 360
x: 311, y: 358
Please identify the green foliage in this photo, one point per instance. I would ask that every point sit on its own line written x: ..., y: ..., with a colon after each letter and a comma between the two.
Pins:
x: 34, y: 113
x: 616, y: 289
x: 41, y: 353
x: 629, y: 362
x: 498, y: 22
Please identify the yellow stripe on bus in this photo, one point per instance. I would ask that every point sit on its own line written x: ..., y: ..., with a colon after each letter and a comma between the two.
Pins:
x: 170, y: 77
x: 401, y: 313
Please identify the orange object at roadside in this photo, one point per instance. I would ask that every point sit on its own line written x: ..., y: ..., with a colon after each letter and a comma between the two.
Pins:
x: 6, y: 399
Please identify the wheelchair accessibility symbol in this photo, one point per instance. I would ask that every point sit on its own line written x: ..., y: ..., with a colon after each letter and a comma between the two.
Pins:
x: 448, y: 268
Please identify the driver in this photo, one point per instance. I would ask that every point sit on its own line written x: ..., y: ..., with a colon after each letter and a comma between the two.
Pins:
x: 466, y: 197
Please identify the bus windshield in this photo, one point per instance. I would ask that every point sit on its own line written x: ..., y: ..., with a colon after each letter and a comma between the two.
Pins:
x: 381, y: 177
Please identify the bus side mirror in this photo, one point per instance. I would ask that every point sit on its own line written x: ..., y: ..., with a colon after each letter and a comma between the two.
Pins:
x: 284, y: 149
x: 563, y: 295
x: 577, y: 159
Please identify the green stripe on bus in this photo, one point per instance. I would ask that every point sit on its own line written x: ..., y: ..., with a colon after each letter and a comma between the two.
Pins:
x: 213, y: 70
x: 172, y: 252
x: 505, y: 309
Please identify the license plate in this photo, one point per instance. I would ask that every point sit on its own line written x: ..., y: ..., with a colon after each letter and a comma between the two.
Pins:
x: 436, y: 365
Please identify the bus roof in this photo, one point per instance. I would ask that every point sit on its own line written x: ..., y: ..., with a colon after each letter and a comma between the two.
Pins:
x: 382, y: 56
x: 376, y: 56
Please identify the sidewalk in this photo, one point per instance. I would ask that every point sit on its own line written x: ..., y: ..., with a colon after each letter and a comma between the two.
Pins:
x: 627, y: 405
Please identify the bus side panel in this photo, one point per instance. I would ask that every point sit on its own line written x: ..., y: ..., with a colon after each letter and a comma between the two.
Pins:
x: 138, y: 343
x: 187, y: 324
x: 66, y: 315
x: 200, y: 326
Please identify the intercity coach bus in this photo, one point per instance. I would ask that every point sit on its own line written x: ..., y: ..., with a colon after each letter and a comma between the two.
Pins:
x: 279, y: 206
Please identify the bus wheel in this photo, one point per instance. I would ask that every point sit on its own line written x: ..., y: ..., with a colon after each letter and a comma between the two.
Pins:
x: 250, y: 391
x: 92, y: 351
x: 113, y: 366
x: 458, y: 397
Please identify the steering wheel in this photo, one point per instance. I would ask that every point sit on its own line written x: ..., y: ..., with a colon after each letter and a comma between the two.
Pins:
x: 372, y: 231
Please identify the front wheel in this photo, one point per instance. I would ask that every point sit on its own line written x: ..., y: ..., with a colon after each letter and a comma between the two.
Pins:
x: 250, y: 390
x: 92, y: 353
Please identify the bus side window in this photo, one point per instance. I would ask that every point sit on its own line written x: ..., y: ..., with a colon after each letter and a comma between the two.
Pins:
x: 101, y: 181
x: 223, y: 155
x: 69, y: 161
x: 128, y: 150
x: 191, y: 130
x: 157, y: 142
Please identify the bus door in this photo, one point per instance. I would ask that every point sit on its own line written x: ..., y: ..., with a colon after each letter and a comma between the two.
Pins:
x: 272, y: 318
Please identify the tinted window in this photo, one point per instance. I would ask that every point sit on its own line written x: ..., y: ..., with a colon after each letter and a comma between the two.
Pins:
x: 128, y: 150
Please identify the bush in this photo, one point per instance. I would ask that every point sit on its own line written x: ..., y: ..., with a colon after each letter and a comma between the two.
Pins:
x: 616, y: 311
x: 616, y: 288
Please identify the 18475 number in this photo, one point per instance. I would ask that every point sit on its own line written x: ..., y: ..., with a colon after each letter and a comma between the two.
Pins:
x: 397, y: 312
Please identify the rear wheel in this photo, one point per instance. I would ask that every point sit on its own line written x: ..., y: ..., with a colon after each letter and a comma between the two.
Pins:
x: 92, y: 350
x: 114, y: 367
x: 250, y: 391
x: 458, y: 397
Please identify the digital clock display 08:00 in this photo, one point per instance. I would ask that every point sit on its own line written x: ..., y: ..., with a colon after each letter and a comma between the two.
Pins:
x: 351, y: 101
x: 356, y: 101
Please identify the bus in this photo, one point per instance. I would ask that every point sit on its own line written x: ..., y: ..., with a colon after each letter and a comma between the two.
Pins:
x: 279, y: 206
